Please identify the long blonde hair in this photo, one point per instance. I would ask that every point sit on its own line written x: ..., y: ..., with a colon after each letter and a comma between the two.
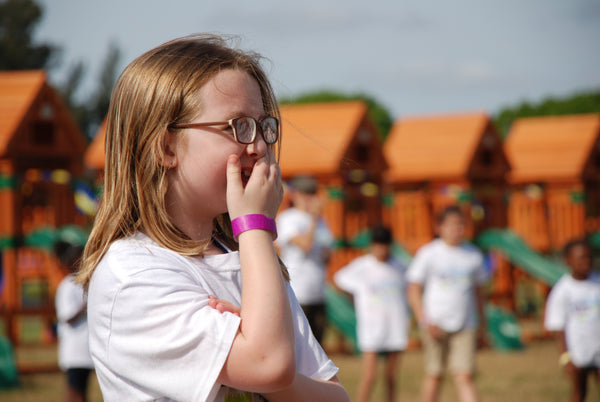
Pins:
x: 156, y: 90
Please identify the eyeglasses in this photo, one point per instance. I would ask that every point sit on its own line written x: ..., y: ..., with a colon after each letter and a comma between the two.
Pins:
x: 244, y: 128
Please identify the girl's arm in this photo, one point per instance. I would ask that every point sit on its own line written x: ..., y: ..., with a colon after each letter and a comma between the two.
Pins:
x: 262, y: 357
x: 331, y: 390
x: 307, y: 389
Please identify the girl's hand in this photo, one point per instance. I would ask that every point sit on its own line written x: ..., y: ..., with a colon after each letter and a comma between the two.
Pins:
x: 262, y: 194
x: 223, y: 305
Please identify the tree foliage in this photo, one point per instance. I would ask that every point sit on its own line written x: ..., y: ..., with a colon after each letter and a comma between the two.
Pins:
x: 583, y: 102
x: 380, y: 116
x: 18, y: 19
x: 91, y: 110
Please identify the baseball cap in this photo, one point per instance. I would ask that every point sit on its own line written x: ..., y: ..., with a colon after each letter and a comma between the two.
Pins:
x: 305, y: 184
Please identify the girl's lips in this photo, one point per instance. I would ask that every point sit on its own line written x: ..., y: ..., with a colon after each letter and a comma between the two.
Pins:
x: 246, y: 173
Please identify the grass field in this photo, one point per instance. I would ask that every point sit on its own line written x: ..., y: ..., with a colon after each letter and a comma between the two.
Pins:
x: 530, y: 375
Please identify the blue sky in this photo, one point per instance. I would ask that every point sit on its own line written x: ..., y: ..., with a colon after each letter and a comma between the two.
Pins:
x: 414, y: 57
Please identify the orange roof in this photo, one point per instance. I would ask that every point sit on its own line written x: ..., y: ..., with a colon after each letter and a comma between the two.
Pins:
x: 551, y: 148
x: 94, y: 155
x: 18, y: 90
x: 315, y: 136
x: 433, y: 147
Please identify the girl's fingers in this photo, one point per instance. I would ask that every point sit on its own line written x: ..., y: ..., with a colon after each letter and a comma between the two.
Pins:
x: 234, y: 180
x: 223, y: 306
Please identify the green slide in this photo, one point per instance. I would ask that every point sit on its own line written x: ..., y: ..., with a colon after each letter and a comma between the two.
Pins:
x: 539, y: 266
x: 594, y: 240
x: 9, y: 377
x: 341, y: 314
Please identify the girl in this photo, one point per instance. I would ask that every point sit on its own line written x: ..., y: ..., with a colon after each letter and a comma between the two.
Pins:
x: 573, y: 313
x: 191, y: 127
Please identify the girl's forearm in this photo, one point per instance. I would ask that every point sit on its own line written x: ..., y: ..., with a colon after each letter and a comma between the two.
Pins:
x: 266, y: 315
x: 308, y: 389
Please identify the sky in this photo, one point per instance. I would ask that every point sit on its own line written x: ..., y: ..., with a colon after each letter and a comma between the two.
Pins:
x: 413, y: 57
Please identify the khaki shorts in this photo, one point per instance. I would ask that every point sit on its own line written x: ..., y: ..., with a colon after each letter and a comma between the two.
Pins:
x: 457, y: 349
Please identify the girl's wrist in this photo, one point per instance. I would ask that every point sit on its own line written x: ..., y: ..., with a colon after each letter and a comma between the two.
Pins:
x: 244, y: 223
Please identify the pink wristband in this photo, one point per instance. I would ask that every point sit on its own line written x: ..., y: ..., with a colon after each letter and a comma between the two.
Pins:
x: 253, y: 221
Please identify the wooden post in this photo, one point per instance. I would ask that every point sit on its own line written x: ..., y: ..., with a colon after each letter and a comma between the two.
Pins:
x: 10, y: 294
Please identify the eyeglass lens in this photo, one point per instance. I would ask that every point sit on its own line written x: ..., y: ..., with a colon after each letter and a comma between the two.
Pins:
x: 245, y: 128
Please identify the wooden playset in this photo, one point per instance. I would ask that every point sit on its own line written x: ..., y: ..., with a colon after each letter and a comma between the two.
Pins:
x: 41, y: 151
x: 555, y: 179
x: 436, y: 161
x: 337, y: 144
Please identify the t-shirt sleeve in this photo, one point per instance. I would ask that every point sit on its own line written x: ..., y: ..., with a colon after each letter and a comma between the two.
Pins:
x: 311, y: 359
x: 165, y: 337
x: 69, y: 299
x: 348, y: 277
x: 288, y: 227
x: 417, y: 270
x: 555, y: 318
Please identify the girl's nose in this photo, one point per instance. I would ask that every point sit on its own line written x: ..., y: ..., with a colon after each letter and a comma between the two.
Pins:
x: 258, y: 148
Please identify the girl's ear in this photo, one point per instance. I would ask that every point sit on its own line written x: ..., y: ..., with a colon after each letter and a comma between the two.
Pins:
x: 168, y: 157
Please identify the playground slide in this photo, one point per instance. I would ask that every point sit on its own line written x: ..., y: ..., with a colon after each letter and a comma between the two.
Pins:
x: 594, y: 240
x: 515, y: 249
x: 341, y: 314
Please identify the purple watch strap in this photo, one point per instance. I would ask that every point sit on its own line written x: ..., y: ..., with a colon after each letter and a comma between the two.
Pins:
x: 253, y: 221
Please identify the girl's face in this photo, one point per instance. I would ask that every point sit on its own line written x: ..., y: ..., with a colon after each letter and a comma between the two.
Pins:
x: 197, y: 182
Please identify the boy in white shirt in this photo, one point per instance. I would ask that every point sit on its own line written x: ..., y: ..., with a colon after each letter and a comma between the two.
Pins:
x: 377, y: 282
x: 305, y: 241
x: 446, y: 296
x: 573, y: 313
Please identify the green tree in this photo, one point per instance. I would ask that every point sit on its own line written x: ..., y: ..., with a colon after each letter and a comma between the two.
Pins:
x: 18, y: 19
x: 583, y: 102
x: 89, y: 112
x: 380, y: 116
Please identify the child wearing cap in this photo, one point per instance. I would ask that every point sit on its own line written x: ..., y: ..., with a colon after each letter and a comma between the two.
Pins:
x: 304, y: 241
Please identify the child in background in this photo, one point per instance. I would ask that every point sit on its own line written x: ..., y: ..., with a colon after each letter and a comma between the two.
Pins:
x: 305, y: 243
x: 573, y: 312
x: 73, y: 345
x: 191, y: 188
x: 446, y: 294
x: 377, y: 282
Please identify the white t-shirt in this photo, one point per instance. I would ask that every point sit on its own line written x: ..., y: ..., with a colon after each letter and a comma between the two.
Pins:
x: 450, y: 276
x: 573, y: 306
x: 73, y: 345
x: 307, y: 270
x: 153, y: 335
x: 379, y: 289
